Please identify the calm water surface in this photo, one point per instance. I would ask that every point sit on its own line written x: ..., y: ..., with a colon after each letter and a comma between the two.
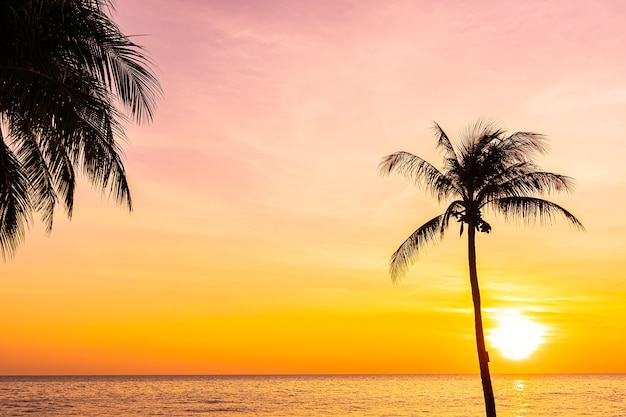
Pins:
x: 299, y: 396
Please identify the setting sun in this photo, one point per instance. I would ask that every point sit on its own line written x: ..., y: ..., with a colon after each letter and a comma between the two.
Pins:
x: 516, y: 337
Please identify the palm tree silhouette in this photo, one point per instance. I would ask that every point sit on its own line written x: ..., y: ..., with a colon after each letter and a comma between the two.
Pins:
x: 69, y: 79
x: 487, y: 170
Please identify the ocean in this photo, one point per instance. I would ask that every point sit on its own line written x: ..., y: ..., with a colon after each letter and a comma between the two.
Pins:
x: 312, y: 395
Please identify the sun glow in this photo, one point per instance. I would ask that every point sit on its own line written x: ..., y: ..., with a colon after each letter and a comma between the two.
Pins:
x: 516, y: 337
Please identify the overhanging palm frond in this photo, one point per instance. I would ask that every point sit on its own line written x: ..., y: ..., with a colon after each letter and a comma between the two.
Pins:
x: 104, y: 168
x: 33, y: 166
x: 122, y: 65
x: 92, y: 147
x: 15, y: 207
x: 135, y: 84
x: 127, y: 69
x: 530, y: 210
x: 63, y: 176
x: 91, y: 43
x: 69, y: 80
x: 406, y: 254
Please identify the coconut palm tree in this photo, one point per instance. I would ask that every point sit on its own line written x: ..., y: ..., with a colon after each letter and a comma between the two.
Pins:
x: 69, y: 80
x: 487, y: 170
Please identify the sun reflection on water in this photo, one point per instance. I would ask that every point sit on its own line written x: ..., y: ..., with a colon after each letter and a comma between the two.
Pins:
x: 520, y: 400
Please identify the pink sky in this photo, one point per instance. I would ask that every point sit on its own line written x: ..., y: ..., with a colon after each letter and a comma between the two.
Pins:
x: 257, y: 194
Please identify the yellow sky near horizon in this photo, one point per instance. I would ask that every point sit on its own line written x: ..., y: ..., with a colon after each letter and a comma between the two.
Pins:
x: 262, y: 230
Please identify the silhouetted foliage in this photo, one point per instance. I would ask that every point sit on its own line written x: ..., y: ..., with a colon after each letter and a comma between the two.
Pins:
x: 488, y: 170
x: 69, y: 78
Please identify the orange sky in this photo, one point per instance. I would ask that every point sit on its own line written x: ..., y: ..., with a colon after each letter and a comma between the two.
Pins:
x: 261, y: 232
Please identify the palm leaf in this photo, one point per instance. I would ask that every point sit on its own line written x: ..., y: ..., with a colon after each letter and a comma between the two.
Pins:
x: 444, y: 142
x: 526, y: 184
x: 65, y: 68
x: 531, y: 209
x: 122, y: 65
x: 34, y: 167
x: 404, y: 257
x: 521, y: 146
x: 419, y: 171
x: 63, y: 176
x: 15, y: 207
x: 456, y: 209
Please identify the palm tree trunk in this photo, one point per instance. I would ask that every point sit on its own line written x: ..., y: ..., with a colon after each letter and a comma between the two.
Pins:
x: 483, y: 356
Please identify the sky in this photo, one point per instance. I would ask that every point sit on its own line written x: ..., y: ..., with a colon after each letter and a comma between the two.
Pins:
x: 261, y: 232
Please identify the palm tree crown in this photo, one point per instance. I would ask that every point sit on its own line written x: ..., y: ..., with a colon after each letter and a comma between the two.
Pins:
x: 69, y: 78
x: 489, y: 169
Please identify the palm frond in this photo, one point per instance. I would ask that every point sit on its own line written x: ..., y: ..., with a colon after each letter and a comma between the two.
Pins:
x: 15, y: 207
x: 526, y: 184
x: 529, y: 142
x: 521, y: 146
x: 530, y: 210
x: 103, y: 166
x: 478, y: 135
x: 34, y: 167
x: 69, y: 80
x: 61, y: 169
x: 406, y: 254
x: 444, y: 142
x: 500, y: 173
x: 97, y: 153
x: 55, y: 107
x: 122, y: 65
x: 419, y: 171
x: 455, y: 209
x: 136, y: 85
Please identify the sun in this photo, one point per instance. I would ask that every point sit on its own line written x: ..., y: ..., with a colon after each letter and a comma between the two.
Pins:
x: 516, y: 337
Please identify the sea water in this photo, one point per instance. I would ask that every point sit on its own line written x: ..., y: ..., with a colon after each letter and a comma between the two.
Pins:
x: 312, y: 395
